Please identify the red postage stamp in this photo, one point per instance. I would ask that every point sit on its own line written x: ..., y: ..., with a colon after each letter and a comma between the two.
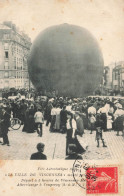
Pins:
x: 102, y: 180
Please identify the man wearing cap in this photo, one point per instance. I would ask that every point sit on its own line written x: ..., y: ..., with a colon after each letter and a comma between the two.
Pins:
x: 39, y: 155
x: 5, y: 123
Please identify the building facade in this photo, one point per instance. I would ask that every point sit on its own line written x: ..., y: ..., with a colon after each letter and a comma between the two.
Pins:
x: 118, y: 77
x: 113, y: 79
x: 108, y: 74
x: 14, y: 50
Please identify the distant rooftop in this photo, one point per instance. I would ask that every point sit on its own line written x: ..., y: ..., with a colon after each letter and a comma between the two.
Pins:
x: 10, y: 25
x: 114, y: 64
x: 2, y: 26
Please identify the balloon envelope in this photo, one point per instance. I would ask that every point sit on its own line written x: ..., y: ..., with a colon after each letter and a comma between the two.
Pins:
x: 66, y: 58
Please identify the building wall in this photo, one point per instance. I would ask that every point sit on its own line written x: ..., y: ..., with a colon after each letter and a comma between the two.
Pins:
x: 113, y: 79
x: 118, y: 77
x: 15, y: 47
x: 109, y: 77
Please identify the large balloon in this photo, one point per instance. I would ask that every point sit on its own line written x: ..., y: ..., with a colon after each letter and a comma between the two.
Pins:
x: 66, y: 58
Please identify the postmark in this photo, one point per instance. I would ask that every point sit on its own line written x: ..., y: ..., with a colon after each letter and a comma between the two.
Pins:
x: 95, y: 179
x: 79, y: 172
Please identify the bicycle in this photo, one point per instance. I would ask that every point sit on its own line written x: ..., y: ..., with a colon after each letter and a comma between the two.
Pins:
x: 15, y: 123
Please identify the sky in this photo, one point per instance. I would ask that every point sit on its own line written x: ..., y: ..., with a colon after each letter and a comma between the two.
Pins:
x: 104, y: 19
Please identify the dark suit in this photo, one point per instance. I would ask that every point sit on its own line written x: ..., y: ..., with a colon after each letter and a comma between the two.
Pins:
x: 63, y: 120
x: 38, y: 156
x: 4, y: 126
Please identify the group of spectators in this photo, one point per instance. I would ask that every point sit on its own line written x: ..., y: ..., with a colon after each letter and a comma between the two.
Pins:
x: 70, y: 116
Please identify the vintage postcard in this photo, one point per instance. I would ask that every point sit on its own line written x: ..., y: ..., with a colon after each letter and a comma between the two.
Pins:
x: 61, y: 97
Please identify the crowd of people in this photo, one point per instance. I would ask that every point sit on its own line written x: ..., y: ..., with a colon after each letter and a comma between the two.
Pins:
x: 70, y: 116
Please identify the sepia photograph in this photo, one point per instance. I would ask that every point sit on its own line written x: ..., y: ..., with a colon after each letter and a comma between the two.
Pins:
x: 62, y: 85
x: 61, y: 92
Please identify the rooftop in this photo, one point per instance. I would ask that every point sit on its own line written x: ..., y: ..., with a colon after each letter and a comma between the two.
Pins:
x: 2, y: 26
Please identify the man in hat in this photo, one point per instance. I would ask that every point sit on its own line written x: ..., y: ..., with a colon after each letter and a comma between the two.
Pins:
x: 63, y: 119
x: 39, y: 155
x: 48, y: 112
x: 85, y: 116
x: 5, y: 123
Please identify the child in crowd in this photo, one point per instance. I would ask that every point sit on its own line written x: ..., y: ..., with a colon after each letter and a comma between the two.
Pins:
x: 99, y: 130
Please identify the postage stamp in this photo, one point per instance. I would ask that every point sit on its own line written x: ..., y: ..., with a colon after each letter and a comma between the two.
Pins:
x: 102, y: 180
x: 95, y: 179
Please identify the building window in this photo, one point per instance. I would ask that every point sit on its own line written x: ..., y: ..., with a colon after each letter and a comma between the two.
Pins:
x: 14, y: 62
x: 116, y: 75
x: 6, y: 36
x: 6, y: 46
x: 6, y: 66
x: 6, y: 74
x: 17, y: 61
x: 13, y: 74
x: 6, y: 55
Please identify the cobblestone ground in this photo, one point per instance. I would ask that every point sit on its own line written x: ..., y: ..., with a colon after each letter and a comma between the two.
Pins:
x: 24, y: 144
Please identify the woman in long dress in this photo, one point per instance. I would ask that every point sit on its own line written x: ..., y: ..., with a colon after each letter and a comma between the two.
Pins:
x: 119, y: 119
x: 71, y: 127
x: 74, y: 135
x: 57, y: 122
x: 31, y: 119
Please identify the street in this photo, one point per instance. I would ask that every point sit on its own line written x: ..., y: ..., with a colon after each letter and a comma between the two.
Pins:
x: 24, y: 144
